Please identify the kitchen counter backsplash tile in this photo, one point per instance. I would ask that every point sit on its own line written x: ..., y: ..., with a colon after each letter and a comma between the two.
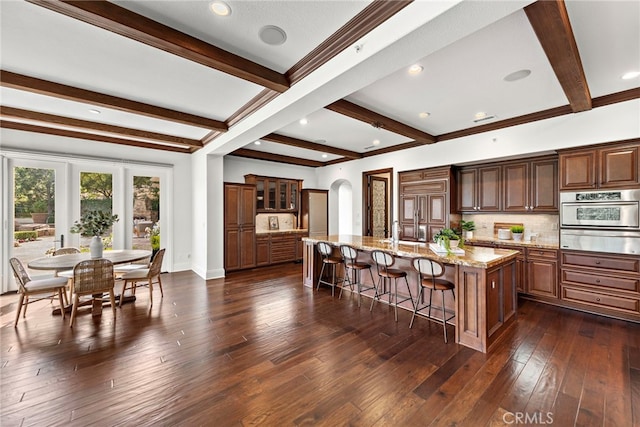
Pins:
x: 286, y: 221
x: 543, y: 226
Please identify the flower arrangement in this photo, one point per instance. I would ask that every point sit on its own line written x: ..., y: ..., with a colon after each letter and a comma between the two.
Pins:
x: 94, y: 223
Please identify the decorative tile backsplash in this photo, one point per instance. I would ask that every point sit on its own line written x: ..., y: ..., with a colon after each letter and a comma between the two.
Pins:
x: 286, y: 221
x: 545, y: 226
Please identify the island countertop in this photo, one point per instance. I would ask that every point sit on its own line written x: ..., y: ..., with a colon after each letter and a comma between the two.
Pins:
x: 474, y: 256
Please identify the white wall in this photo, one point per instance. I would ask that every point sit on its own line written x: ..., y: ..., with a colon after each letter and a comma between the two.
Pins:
x: 612, y: 123
x: 235, y: 168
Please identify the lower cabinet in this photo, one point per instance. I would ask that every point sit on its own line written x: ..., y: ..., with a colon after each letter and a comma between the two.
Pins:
x: 542, y: 272
x: 274, y: 248
x: 607, y: 284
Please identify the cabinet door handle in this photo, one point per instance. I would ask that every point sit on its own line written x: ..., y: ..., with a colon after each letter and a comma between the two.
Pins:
x: 598, y: 299
x: 597, y: 261
x: 597, y: 280
x: 493, y: 284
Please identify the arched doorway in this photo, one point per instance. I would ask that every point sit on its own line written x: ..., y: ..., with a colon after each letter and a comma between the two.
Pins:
x: 341, y: 207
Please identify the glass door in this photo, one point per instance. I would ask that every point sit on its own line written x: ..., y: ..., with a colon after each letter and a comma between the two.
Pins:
x: 146, y: 213
x: 37, y: 210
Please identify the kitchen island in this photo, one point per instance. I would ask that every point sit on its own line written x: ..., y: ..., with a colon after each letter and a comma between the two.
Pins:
x: 485, y: 278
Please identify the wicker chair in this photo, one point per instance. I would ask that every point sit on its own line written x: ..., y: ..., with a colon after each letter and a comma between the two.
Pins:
x: 66, y: 273
x: 28, y: 287
x: 146, y: 276
x: 92, y: 277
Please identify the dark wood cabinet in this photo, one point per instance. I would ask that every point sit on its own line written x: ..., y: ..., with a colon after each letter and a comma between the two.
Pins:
x: 601, y: 166
x: 542, y: 271
x: 479, y: 189
x: 530, y: 186
x: 601, y: 283
x: 275, y: 248
x: 425, y: 202
x: 275, y: 194
x: 239, y: 226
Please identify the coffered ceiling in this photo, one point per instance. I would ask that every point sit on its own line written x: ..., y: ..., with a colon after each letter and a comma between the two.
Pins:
x: 172, y: 75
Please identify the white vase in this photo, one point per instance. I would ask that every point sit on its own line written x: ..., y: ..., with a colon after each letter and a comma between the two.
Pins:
x: 453, y: 243
x: 517, y: 236
x: 96, y: 247
x: 468, y: 235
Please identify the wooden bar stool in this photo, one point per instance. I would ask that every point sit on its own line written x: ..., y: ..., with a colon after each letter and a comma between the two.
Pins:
x: 352, y: 271
x: 384, y: 261
x: 328, y: 259
x: 429, y: 272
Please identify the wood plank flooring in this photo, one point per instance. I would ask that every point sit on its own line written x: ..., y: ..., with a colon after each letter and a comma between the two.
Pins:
x: 257, y: 348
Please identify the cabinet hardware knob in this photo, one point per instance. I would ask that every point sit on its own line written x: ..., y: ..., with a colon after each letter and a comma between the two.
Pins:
x: 597, y: 280
x: 597, y: 299
x: 597, y: 261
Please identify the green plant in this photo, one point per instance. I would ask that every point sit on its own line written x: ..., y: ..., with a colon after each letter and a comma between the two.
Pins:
x: 517, y: 229
x: 154, y: 236
x: 39, y: 206
x: 467, y: 225
x: 444, y: 238
x: 94, y: 223
x: 25, y: 235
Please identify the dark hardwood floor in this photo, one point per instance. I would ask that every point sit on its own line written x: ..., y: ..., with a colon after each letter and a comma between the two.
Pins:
x: 259, y: 349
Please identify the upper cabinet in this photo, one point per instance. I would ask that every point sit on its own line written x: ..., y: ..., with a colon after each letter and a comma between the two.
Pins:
x: 604, y: 166
x: 529, y: 186
x: 479, y: 189
x: 275, y: 194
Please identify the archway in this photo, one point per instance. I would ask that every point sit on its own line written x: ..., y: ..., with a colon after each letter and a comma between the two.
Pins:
x: 341, y: 207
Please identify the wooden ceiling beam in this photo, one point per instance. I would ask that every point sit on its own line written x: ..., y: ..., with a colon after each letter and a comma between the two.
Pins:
x: 89, y: 136
x: 20, y: 114
x: 260, y: 155
x: 45, y: 87
x: 295, y: 142
x: 126, y: 23
x: 550, y: 22
x: 357, y: 112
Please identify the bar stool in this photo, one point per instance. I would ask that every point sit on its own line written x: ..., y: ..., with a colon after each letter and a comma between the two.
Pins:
x: 326, y: 251
x: 353, y: 267
x: 384, y: 261
x: 429, y: 272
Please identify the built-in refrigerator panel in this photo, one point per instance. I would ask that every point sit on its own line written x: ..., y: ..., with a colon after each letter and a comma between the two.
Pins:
x: 314, y: 212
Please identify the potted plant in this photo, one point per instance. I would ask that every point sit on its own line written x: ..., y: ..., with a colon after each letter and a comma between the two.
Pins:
x: 94, y: 224
x: 39, y: 212
x: 468, y: 227
x: 517, y: 231
x: 447, y: 238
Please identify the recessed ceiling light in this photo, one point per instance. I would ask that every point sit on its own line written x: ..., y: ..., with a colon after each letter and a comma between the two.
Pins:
x: 630, y: 75
x: 220, y: 8
x: 304, y: 121
x: 415, y: 69
x: 517, y: 75
x: 424, y: 115
x: 272, y: 35
x: 94, y: 111
x: 376, y: 142
x: 480, y: 115
x: 257, y: 143
x: 324, y: 156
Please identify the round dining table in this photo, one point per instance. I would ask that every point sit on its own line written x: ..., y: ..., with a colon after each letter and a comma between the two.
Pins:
x: 69, y: 261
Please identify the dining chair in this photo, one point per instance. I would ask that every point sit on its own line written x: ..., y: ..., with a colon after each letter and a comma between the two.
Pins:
x: 92, y: 277
x: 28, y: 287
x: 144, y: 277
x: 66, y: 273
x: 122, y: 269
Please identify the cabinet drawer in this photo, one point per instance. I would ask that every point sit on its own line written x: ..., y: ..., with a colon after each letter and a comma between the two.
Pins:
x: 618, y: 263
x: 626, y: 284
x: 542, y: 253
x: 597, y: 299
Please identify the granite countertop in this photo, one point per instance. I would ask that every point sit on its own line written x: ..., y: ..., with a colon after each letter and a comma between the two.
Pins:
x: 473, y: 257
x: 539, y: 243
x: 290, y: 231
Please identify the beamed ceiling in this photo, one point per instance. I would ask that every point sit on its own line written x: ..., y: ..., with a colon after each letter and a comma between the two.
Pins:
x: 170, y: 75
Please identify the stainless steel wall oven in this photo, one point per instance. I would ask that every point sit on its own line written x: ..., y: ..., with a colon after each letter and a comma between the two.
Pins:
x: 601, y: 221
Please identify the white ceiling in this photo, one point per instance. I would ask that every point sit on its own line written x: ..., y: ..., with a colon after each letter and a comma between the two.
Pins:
x: 465, y: 48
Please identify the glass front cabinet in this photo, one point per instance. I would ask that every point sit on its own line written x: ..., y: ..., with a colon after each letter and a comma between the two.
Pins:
x: 275, y: 194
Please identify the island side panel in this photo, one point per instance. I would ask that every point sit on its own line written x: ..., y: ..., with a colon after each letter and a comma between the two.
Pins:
x: 471, y: 308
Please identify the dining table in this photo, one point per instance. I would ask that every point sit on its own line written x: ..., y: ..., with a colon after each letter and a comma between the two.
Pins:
x: 69, y: 261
